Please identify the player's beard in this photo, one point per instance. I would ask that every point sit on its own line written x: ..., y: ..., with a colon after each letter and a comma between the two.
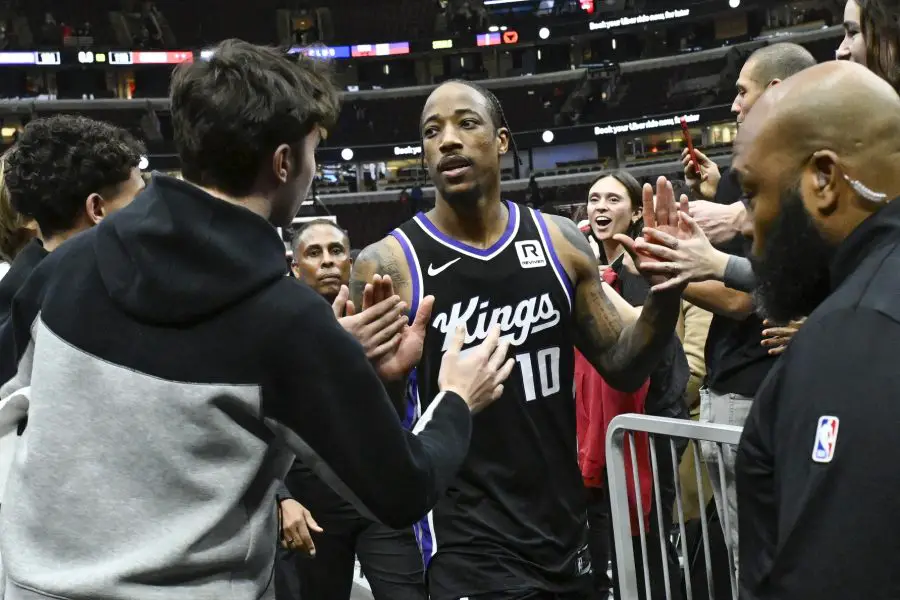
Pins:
x: 793, y: 273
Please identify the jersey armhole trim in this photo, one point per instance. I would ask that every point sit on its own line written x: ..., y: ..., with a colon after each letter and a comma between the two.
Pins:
x: 561, y: 274
x: 415, y: 272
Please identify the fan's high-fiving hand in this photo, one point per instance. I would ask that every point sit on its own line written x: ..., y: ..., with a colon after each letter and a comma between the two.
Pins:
x: 397, y: 363
x: 661, y: 216
x: 382, y: 321
x: 683, y: 259
x: 476, y: 374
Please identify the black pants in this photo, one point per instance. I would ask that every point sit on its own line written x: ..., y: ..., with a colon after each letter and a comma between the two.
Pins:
x: 602, y: 548
x: 390, y: 561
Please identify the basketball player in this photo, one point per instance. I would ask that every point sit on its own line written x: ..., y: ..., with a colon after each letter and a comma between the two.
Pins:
x: 513, y: 524
x: 389, y: 557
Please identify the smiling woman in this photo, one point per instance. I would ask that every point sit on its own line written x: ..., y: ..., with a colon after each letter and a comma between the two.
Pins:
x: 614, y: 206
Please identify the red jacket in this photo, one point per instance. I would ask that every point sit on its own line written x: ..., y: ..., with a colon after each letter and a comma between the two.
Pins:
x: 596, y: 405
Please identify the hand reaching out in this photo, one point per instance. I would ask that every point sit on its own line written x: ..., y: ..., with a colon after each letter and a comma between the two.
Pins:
x: 396, y: 364
x: 476, y: 374
x: 663, y: 217
x: 721, y: 222
x: 776, y: 338
x: 382, y: 320
x: 685, y: 259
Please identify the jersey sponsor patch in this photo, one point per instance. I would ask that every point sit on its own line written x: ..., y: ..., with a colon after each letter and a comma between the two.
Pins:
x: 531, y: 254
x: 826, y: 439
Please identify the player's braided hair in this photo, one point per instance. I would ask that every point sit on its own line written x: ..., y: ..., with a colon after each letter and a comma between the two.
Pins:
x: 498, y: 117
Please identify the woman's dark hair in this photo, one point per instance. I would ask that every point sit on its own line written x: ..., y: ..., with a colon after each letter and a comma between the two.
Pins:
x: 230, y: 113
x: 635, y: 197
x: 880, y: 25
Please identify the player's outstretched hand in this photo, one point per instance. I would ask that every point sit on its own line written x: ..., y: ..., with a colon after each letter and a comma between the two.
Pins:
x: 478, y: 373
x: 380, y: 325
x: 399, y: 361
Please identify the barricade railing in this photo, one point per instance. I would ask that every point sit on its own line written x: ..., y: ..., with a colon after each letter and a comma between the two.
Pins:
x: 682, y: 433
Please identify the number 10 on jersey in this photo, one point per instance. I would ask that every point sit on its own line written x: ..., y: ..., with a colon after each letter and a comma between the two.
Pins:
x: 540, y: 373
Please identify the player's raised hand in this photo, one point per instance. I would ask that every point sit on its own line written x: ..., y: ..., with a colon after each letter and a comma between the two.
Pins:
x: 398, y: 362
x: 476, y: 374
x: 382, y: 288
x: 380, y: 325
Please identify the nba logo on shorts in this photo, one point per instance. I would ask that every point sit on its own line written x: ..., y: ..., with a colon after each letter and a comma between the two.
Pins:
x: 531, y: 254
x: 826, y: 439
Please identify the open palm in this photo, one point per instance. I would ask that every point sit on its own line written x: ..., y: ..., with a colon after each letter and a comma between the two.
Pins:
x: 396, y: 365
x: 662, y: 216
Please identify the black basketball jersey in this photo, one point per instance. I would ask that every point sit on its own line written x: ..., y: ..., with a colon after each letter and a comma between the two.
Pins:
x: 515, y: 516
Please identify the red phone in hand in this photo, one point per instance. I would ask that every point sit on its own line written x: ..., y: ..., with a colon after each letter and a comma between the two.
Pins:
x: 686, y: 135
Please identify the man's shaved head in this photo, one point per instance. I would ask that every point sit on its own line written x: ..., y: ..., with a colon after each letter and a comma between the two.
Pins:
x: 779, y: 61
x: 766, y: 68
x: 798, y: 154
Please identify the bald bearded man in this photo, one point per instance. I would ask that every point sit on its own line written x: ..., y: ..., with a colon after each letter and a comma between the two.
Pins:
x: 817, y: 469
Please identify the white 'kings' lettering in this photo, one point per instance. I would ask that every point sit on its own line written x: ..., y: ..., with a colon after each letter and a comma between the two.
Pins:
x: 516, y: 324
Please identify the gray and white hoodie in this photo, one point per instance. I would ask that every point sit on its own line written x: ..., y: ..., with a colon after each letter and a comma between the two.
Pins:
x: 171, y: 366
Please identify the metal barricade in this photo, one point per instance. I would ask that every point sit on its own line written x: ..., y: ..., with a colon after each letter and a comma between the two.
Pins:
x: 623, y: 428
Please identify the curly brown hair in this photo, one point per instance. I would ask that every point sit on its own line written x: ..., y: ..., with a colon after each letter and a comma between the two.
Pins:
x: 58, y: 161
x: 880, y: 25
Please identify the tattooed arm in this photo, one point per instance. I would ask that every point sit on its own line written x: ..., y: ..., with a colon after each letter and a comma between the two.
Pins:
x: 384, y: 258
x: 624, y: 354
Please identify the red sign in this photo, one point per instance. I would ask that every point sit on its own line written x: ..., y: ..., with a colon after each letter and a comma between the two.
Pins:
x: 587, y: 6
x: 510, y: 37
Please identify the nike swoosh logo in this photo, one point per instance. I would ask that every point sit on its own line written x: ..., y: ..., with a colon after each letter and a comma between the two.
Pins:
x: 432, y: 271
